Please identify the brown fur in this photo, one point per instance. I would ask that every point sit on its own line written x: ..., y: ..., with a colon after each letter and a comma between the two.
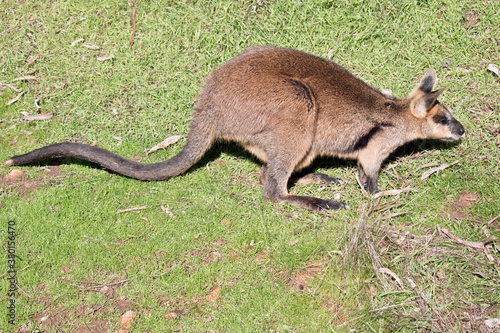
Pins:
x: 288, y: 107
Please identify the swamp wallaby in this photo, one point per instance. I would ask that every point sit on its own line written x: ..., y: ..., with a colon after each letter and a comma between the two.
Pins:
x: 288, y: 107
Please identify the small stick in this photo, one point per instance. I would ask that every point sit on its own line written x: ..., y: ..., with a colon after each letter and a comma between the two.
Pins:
x: 131, y: 209
x: 422, y: 300
x: 15, y: 99
x: 474, y: 245
x: 493, y: 219
x: 149, y: 226
x: 104, y: 285
x: 32, y: 60
x: 10, y: 86
x: 361, y: 185
x: 133, y: 28
x: 394, y: 276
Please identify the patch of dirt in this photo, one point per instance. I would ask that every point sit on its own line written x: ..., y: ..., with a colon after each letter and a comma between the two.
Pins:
x: 470, y: 18
x: 467, y: 199
x: 21, y: 184
x: 338, y: 311
x: 261, y: 257
x: 297, y: 281
x: 209, y: 253
x: 80, y: 319
x: 457, y: 208
x: 95, y: 325
x: 55, y: 317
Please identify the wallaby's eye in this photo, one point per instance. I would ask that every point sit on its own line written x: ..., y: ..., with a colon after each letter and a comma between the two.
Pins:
x: 440, y: 119
x: 443, y: 121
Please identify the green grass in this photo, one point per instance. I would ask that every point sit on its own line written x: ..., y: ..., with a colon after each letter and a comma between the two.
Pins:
x: 279, y: 268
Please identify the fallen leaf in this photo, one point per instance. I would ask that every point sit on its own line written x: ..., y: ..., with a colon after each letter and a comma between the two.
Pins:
x: 14, y: 140
x: 24, y: 78
x: 427, y: 165
x: 493, y: 322
x: 111, y: 56
x: 165, y: 143
x: 14, y: 174
x: 41, y: 116
x: 106, y: 290
x: 77, y: 41
x: 15, y: 99
x: 387, y: 92
x: 166, y: 210
x: 392, y: 192
x: 214, y: 295
x: 92, y: 47
x: 493, y: 69
x: 171, y: 315
x: 439, y: 168
x: 126, y: 319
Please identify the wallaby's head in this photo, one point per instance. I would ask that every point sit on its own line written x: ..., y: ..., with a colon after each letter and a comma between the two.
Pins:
x: 438, y: 123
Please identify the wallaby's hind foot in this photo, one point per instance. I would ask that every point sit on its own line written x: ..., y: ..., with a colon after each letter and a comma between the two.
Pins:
x: 319, y: 179
x: 275, y: 189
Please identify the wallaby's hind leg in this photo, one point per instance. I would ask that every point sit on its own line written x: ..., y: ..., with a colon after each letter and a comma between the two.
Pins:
x: 275, y: 189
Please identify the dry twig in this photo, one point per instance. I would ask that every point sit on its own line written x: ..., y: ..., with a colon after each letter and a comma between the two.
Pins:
x: 131, y: 209
x: 422, y: 300
x: 145, y: 229
x: 32, y: 60
x: 15, y: 99
x: 133, y: 28
x: 393, y: 275
x: 455, y: 239
x: 493, y: 219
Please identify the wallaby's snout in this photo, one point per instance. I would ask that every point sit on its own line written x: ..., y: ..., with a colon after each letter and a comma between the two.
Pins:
x: 444, y: 126
x: 457, y: 130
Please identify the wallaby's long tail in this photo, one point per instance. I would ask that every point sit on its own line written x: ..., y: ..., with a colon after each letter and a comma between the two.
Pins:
x: 196, y: 146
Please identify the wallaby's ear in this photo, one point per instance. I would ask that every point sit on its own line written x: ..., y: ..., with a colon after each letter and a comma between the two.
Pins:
x: 426, y: 84
x: 423, y: 102
x: 428, y: 81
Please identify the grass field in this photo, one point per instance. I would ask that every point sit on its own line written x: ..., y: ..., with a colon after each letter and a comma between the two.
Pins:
x: 204, y: 253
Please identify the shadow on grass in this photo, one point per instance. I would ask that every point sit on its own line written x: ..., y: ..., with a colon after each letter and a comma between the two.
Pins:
x: 235, y: 150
